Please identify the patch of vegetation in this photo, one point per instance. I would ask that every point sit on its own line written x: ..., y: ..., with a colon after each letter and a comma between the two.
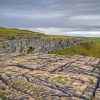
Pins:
x: 30, y: 50
x: 18, y: 82
x: 1, y: 87
x: 35, y: 91
x: 97, y: 41
x: 22, y: 48
x: 39, y: 98
x: 3, y: 96
x: 60, y: 79
x: 85, y: 50
x: 11, y: 33
x: 55, y: 37
x: 91, y: 82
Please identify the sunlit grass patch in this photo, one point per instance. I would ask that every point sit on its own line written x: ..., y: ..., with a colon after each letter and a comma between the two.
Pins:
x: 60, y: 79
x: 85, y: 50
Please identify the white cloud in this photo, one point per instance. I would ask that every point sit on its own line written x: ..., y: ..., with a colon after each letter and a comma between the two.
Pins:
x: 76, y: 14
x: 86, y: 17
x: 85, y: 33
x: 66, y: 31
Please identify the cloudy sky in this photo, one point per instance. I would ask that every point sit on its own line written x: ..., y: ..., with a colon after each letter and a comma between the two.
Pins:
x: 64, y: 17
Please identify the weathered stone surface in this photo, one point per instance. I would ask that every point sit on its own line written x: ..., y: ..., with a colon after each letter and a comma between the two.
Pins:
x: 22, y: 45
x: 49, y: 77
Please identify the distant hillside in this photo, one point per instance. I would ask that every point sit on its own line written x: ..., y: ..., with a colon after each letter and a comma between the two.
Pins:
x: 11, y: 33
x: 85, y: 50
x: 24, y: 41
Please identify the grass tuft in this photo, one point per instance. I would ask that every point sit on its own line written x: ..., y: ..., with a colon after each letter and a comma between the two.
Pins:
x: 85, y: 50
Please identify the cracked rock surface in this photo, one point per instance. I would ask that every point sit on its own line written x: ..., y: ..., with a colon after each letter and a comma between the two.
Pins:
x: 49, y: 77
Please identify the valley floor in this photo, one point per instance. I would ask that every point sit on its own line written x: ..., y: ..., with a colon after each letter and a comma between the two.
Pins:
x: 49, y: 77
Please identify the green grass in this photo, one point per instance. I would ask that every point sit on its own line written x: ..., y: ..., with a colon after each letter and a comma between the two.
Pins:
x: 97, y: 41
x: 10, y: 33
x: 85, y: 50
x: 60, y: 79
x: 91, y: 82
x: 55, y: 37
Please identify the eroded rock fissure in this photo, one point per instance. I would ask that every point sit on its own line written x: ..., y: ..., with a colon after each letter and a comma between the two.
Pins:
x: 49, y: 77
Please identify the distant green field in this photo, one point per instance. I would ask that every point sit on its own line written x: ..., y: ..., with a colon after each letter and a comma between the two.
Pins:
x: 97, y: 41
x: 85, y: 50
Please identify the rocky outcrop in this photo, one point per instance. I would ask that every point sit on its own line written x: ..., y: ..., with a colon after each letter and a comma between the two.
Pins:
x: 36, y: 43
x: 49, y: 77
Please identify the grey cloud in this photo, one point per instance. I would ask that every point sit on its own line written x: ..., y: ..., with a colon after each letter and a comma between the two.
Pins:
x: 77, y: 15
